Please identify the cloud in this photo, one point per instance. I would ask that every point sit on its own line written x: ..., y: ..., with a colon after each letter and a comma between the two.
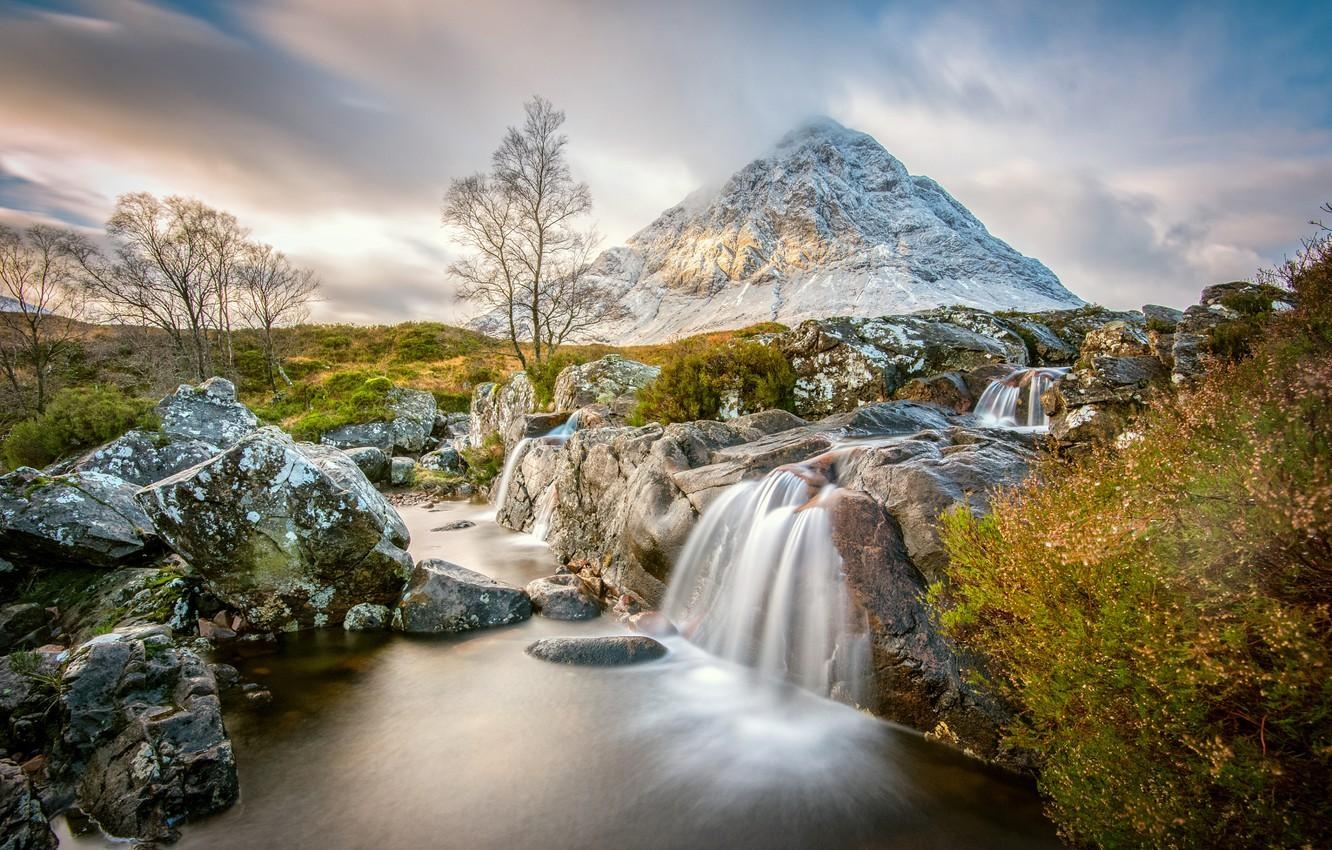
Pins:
x: 1135, y: 149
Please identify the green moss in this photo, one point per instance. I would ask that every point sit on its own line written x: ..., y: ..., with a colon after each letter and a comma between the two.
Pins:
x: 351, y: 397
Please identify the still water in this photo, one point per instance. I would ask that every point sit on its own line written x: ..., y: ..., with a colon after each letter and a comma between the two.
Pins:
x: 377, y: 741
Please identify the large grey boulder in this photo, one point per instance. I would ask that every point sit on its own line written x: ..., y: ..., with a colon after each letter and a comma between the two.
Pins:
x: 289, y: 534
x: 496, y: 406
x: 143, y: 743
x: 377, y: 435
x: 371, y: 460
x: 562, y: 597
x: 208, y: 412
x: 609, y: 651
x: 445, y: 459
x: 601, y: 381
x: 23, y: 824
x: 444, y: 598
x: 80, y: 518
x: 402, y: 471
x: 143, y: 457
x: 413, y: 418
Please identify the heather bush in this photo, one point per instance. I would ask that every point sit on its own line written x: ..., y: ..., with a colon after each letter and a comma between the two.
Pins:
x: 699, y: 382
x: 75, y: 419
x: 1159, y: 614
x: 352, y: 397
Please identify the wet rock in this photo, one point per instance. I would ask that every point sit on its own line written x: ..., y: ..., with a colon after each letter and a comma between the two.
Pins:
x: 496, y: 406
x: 377, y: 435
x: 442, y: 597
x: 456, y: 525
x: 1044, y: 346
x: 371, y: 460
x: 612, y: 651
x: 23, y: 824
x: 652, y: 624
x: 604, y: 381
x: 562, y: 597
x: 208, y: 412
x: 227, y: 676
x: 367, y: 617
x: 143, y: 743
x: 79, y: 518
x: 445, y: 459
x: 133, y: 596
x: 947, y: 390
x: 532, y: 425
x: 23, y: 625
x: 144, y: 457
x: 402, y: 471
x: 289, y: 534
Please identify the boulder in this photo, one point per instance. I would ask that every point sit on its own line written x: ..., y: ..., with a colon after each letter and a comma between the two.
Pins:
x: 208, y: 412
x: 1044, y: 346
x: 28, y: 691
x: 442, y: 598
x: 1097, y: 400
x: 84, y: 518
x: 23, y: 625
x: 947, y: 390
x: 367, y: 617
x: 445, y: 459
x: 143, y: 743
x: 562, y: 597
x: 144, y: 457
x: 289, y: 534
x: 413, y: 418
x: 602, y: 381
x: 371, y: 460
x: 1116, y: 339
x: 23, y: 824
x: 377, y: 435
x: 1163, y: 319
x: 610, y: 651
x: 496, y: 406
x: 402, y: 471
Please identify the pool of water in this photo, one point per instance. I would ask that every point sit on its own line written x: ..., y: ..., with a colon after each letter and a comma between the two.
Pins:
x: 379, y: 741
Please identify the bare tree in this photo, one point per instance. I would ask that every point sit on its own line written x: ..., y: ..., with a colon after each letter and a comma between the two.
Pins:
x: 530, y: 259
x: 272, y: 292
x: 227, y: 246
x: 41, y: 326
x: 160, y: 275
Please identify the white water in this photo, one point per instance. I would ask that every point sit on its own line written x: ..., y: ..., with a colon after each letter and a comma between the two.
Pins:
x: 760, y: 583
x: 556, y: 436
x: 1014, y: 401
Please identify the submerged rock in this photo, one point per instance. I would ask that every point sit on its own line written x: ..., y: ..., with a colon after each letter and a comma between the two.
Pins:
x: 144, y: 457
x: 208, y: 412
x: 611, y: 651
x: 562, y: 597
x: 80, y: 518
x: 289, y: 534
x: 144, y: 744
x: 442, y: 597
x: 23, y: 824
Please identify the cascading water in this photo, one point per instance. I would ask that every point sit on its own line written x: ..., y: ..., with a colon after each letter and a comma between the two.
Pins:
x: 1014, y: 401
x: 760, y: 582
x: 556, y: 436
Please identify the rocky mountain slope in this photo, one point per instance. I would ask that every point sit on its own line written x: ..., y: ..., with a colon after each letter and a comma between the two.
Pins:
x: 828, y: 223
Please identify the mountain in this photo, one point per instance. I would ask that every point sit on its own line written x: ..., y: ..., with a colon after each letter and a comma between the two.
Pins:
x: 828, y: 223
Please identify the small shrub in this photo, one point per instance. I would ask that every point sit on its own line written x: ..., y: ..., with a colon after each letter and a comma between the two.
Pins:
x: 76, y: 419
x: 544, y: 375
x: 699, y: 382
x: 485, y: 462
x: 352, y: 397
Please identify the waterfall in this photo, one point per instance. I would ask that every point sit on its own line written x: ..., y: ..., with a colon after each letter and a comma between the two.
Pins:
x: 556, y: 436
x: 1014, y: 401
x: 760, y: 582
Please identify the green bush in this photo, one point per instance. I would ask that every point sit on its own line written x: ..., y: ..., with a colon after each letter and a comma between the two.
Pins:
x: 352, y: 397
x: 543, y: 376
x: 697, y: 383
x: 75, y: 419
x: 485, y: 462
x: 1160, y: 615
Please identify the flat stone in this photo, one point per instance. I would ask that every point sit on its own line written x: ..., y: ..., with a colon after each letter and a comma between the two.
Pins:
x: 612, y: 651
x: 562, y: 597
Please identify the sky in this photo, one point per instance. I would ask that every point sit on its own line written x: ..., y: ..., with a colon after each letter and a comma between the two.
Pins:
x: 1141, y: 151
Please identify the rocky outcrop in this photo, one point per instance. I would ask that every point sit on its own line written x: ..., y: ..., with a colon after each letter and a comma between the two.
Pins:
x: 133, y: 596
x: 445, y: 598
x: 612, y: 381
x: 611, y: 651
x: 947, y: 390
x: 562, y: 597
x: 144, y: 457
x: 143, y: 742
x: 83, y: 518
x: 1219, y: 323
x: 23, y: 625
x: 842, y: 363
x: 208, y: 412
x: 496, y: 406
x: 23, y: 824
x: 289, y: 534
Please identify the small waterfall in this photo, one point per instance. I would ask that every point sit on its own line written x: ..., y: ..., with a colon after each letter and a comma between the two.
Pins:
x: 760, y: 582
x: 1014, y: 401
x: 556, y: 436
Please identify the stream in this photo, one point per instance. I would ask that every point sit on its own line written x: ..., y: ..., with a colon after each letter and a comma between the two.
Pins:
x: 390, y: 741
